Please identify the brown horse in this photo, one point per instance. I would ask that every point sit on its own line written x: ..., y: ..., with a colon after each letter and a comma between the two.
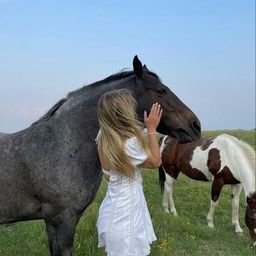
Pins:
x: 223, y: 160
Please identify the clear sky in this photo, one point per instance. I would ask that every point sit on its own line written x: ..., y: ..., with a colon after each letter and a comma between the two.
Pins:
x: 204, y: 50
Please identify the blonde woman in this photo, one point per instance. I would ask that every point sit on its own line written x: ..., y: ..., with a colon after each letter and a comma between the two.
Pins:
x: 124, y: 224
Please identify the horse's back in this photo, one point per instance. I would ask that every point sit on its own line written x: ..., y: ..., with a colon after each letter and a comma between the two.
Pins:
x: 226, y: 138
x: 236, y: 146
x: 239, y: 156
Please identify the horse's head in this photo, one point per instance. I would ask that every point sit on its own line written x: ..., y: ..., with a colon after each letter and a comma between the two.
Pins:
x: 177, y: 119
x: 250, y: 216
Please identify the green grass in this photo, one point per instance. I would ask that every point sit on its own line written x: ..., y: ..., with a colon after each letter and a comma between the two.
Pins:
x: 185, y: 234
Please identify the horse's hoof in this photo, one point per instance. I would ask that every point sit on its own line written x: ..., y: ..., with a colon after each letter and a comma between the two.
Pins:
x: 166, y: 210
x: 210, y: 225
x: 239, y: 231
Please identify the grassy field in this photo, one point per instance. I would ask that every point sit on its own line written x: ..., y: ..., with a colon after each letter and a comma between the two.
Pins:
x: 185, y: 234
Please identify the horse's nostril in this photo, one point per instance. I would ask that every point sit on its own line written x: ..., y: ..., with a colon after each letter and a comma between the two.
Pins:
x: 196, y: 127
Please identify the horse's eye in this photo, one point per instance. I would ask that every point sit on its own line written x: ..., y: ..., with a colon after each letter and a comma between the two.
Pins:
x: 161, y: 92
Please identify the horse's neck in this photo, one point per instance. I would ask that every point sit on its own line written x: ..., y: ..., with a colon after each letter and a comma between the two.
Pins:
x: 95, y: 90
x: 173, y: 152
x: 84, y: 105
x: 244, y: 162
x: 180, y: 152
x: 184, y: 153
x: 92, y: 94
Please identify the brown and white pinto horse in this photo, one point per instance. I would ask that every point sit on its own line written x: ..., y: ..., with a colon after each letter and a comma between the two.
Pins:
x: 223, y: 160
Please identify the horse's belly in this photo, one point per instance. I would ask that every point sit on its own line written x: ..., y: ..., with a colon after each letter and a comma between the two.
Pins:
x: 17, y: 197
x: 17, y: 207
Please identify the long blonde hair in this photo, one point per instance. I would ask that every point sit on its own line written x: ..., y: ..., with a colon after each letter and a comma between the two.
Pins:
x: 118, y: 122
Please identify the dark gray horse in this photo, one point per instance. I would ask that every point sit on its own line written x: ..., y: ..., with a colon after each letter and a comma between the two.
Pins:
x: 51, y: 170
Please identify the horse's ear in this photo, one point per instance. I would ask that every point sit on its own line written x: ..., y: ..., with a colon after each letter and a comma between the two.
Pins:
x: 145, y: 68
x: 137, y: 67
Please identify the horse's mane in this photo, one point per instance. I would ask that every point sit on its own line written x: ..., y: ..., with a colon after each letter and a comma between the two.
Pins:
x: 51, y: 112
x: 120, y: 75
x: 114, y: 77
x: 248, y: 151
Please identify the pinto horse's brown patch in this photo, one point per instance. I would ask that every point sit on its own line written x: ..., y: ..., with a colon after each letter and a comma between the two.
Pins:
x: 227, y: 176
x: 214, y: 165
x: 214, y: 162
x: 184, y: 155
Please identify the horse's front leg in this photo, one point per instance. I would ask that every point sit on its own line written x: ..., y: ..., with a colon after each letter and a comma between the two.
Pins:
x: 236, y: 190
x: 168, y: 202
x: 61, y: 231
x: 217, y: 186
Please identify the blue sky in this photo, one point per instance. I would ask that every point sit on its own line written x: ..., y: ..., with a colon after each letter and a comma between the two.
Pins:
x: 204, y: 50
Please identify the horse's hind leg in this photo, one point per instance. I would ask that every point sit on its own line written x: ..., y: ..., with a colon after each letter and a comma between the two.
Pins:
x: 61, y: 231
x: 168, y: 202
x: 236, y: 190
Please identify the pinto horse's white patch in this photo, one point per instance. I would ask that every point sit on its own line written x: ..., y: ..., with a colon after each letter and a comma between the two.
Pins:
x: 162, y: 146
x: 199, y: 161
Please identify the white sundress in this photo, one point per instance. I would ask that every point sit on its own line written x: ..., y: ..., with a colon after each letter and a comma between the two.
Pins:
x: 124, y: 224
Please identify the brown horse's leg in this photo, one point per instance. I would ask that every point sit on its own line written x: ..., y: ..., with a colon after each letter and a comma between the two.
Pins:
x: 61, y: 231
x: 217, y: 186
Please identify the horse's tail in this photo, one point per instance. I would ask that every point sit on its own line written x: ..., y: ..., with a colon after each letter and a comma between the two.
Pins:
x: 162, y: 177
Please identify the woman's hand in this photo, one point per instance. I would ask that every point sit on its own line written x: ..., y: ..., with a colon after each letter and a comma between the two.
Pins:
x: 153, y: 119
x: 151, y: 122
